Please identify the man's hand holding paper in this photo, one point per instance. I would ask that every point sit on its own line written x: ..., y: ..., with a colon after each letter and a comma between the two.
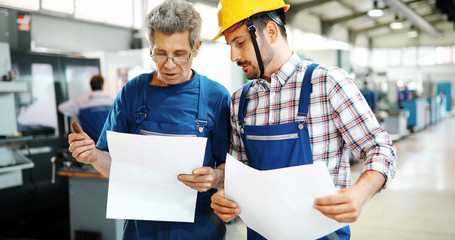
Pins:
x: 279, y: 203
x: 204, y: 178
x: 143, y: 180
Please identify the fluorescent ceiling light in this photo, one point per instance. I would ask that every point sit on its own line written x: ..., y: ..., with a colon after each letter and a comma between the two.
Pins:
x: 396, y: 25
x: 413, y: 34
x: 375, y: 13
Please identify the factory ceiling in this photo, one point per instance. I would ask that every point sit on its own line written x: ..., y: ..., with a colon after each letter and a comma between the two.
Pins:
x: 431, y: 18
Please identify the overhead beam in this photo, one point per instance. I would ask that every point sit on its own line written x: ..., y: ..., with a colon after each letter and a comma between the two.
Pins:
x: 327, y: 24
x: 407, y: 30
x: 345, y: 19
x: 363, y: 30
x: 413, y: 17
x: 357, y: 15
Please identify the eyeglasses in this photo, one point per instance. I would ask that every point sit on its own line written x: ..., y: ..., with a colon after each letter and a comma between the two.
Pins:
x: 179, y: 60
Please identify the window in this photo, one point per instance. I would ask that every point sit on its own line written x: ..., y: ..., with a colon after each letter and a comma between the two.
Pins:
x: 409, y: 56
x: 63, y: 6
x: 427, y: 56
x: 138, y: 16
x: 208, y: 15
x: 92, y: 10
x: 394, y: 56
x: 379, y: 58
x: 25, y: 4
x: 119, y: 12
x: 360, y: 57
x: 443, y: 55
x: 151, y: 4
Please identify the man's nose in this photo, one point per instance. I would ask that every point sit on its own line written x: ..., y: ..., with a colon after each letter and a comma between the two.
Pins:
x: 235, y: 55
x: 170, y: 63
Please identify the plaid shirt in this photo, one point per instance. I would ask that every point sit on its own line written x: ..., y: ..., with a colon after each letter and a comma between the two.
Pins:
x: 339, y: 119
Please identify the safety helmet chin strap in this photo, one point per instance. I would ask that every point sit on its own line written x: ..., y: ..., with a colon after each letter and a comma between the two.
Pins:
x: 252, y: 30
x: 273, y: 15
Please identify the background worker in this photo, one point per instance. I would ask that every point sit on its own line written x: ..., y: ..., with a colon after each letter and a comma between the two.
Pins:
x: 290, y: 96
x: 370, y: 96
x: 91, y: 109
x: 173, y: 100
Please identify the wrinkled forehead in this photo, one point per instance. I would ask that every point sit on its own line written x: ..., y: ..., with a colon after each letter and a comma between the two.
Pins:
x: 171, y: 41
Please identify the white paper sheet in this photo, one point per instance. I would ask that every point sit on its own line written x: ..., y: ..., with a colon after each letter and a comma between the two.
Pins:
x: 278, y: 204
x: 143, y: 176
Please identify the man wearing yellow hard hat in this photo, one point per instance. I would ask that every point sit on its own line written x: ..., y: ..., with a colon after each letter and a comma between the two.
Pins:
x: 296, y: 112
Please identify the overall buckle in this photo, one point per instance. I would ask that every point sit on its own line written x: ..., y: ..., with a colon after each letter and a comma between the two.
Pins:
x: 201, y: 124
x: 302, y: 120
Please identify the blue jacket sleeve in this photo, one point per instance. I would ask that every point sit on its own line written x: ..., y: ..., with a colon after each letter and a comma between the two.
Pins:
x: 220, y: 140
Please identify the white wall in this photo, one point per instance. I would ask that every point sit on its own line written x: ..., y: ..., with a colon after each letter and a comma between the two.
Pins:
x: 402, y: 40
x: 214, y: 61
x: 339, y: 33
x: 327, y: 57
x: 435, y: 73
x: 362, y: 40
x: 312, y: 23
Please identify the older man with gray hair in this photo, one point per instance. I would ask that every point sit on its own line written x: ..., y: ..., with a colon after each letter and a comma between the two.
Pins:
x: 173, y: 100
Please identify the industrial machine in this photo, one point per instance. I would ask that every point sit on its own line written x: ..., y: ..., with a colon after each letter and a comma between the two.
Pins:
x: 11, y: 161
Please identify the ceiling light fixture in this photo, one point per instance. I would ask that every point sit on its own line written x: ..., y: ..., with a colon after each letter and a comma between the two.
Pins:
x: 412, y: 33
x: 396, y: 24
x: 375, y: 12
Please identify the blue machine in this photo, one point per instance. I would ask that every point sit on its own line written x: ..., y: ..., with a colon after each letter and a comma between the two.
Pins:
x: 417, y: 111
x: 445, y: 88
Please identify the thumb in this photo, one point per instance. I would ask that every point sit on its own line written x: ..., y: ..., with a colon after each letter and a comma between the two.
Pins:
x: 203, y: 171
x: 76, y: 127
x: 221, y: 192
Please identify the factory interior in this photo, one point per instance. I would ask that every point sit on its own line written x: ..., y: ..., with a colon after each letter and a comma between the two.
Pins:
x: 49, y: 50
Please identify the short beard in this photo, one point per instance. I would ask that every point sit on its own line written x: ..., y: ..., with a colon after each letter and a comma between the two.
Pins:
x: 266, y: 52
x: 266, y: 55
x: 255, y: 73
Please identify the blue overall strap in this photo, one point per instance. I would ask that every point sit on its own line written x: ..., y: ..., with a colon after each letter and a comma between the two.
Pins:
x: 141, y: 112
x: 242, y: 104
x: 305, y: 91
x: 202, y: 116
x: 201, y: 121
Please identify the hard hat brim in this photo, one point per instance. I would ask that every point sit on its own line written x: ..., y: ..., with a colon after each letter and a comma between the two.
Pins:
x: 221, y: 31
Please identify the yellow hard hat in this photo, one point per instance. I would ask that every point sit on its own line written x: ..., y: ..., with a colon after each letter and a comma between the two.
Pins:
x: 233, y: 11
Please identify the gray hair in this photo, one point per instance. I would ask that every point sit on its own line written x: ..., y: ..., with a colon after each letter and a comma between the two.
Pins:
x: 173, y: 16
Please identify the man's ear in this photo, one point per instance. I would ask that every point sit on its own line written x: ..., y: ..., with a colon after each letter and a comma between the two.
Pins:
x: 197, y: 47
x: 271, y: 31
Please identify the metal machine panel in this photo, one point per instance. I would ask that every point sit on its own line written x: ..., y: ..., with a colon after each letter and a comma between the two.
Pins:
x: 8, y: 121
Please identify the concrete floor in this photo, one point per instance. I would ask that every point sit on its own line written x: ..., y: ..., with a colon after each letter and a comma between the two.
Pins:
x: 419, y: 203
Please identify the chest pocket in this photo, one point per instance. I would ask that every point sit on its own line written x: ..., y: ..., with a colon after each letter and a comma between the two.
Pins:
x: 196, y: 128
